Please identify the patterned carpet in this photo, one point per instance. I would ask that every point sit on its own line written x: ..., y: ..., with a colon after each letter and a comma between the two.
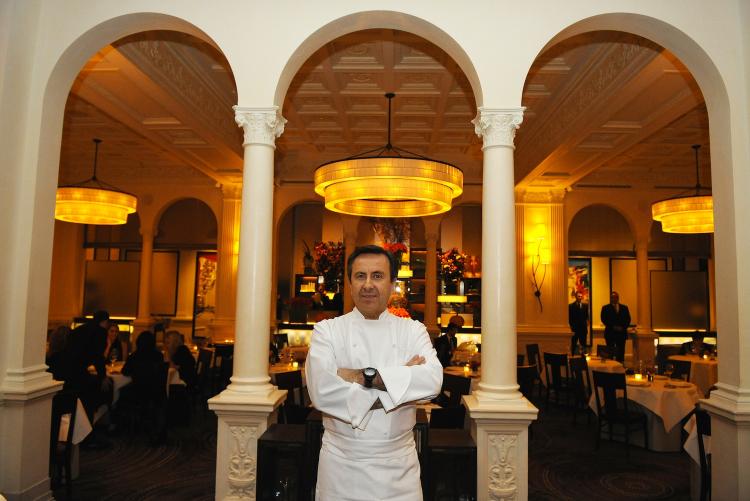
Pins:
x: 563, y: 465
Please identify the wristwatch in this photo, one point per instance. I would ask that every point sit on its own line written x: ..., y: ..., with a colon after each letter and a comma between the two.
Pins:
x: 369, y: 373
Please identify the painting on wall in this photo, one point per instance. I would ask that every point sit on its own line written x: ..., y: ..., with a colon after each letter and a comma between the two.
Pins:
x: 204, y: 303
x: 579, y: 279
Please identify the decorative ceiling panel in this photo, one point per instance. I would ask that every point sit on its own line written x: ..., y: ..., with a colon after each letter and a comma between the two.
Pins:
x: 602, y: 109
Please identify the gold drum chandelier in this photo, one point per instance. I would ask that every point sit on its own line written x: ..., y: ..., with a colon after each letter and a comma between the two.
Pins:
x: 93, y: 202
x: 388, y: 182
x: 688, y: 213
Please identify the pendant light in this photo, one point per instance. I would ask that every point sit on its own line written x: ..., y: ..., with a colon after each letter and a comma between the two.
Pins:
x: 388, y: 182
x: 687, y: 213
x: 93, y: 202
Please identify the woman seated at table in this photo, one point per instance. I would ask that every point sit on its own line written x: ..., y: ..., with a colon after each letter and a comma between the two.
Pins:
x: 148, y: 388
x: 179, y: 357
x: 114, y: 349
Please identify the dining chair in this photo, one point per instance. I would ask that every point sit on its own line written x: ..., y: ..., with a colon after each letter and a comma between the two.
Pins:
x: 681, y: 369
x: 581, y: 385
x: 532, y: 355
x: 448, y: 417
x: 519, y: 359
x: 526, y: 375
x: 703, y: 424
x: 603, y: 352
x: 454, y: 387
x: 60, y: 454
x: 558, y: 377
x: 612, y: 410
x: 201, y: 391
x: 294, y: 409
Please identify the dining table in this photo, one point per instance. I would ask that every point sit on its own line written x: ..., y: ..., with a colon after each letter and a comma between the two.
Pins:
x: 465, y: 371
x: 119, y: 380
x: 704, y: 372
x: 666, y: 403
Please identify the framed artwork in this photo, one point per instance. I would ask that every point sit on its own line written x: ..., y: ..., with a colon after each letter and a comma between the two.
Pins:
x: 579, y: 280
x: 204, y: 299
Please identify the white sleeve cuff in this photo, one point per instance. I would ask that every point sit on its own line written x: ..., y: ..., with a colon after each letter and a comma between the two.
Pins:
x: 359, y: 403
x: 396, y: 381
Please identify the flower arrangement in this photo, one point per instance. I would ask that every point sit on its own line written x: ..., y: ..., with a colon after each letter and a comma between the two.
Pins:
x: 329, y: 261
x: 396, y: 248
x: 452, y: 265
x: 399, y: 312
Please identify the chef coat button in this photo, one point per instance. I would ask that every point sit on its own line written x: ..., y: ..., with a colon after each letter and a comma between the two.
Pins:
x: 393, y: 345
x: 354, y: 345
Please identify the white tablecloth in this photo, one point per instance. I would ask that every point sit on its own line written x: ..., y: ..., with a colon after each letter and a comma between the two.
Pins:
x: 82, y: 426
x: 596, y: 364
x: 666, y: 408
x: 670, y: 404
x: 704, y: 372
x: 119, y: 380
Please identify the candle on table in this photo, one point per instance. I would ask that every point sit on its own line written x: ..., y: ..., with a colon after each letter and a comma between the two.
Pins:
x: 466, y: 369
x: 638, y: 377
x: 295, y: 365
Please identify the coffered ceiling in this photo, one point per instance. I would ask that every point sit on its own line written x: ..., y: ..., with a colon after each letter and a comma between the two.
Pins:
x: 603, y: 110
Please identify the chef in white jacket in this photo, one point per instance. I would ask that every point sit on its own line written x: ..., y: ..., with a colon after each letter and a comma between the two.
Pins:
x: 365, y: 370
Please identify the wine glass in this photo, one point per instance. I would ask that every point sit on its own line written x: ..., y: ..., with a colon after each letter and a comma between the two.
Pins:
x: 114, y: 353
x: 668, y: 370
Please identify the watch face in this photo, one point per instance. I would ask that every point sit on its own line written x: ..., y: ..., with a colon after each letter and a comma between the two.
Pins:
x: 370, y: 372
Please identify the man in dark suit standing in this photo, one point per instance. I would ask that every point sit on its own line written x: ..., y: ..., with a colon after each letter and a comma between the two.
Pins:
x: 445, y: 345
x: 616, y: 319
x: 578, y: 319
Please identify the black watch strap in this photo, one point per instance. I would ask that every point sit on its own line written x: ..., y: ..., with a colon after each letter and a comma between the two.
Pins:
x: 369, y: 374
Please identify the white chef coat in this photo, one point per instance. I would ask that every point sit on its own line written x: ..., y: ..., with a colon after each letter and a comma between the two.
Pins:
x: 370, y: 454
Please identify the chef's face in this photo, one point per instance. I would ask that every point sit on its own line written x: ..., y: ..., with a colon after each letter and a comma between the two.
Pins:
x: 371, y: 284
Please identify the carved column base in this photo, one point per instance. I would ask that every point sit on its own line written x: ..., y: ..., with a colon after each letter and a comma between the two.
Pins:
x: 25, y: 414
x: 222, y: 328
x: 242, y: 419
x: 643, y: 345
x: 500, y: 429
x: 729, y: 407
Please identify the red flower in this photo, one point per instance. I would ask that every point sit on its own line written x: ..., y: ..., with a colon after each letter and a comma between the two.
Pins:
x: 399, y: 312
x: 395, y: 248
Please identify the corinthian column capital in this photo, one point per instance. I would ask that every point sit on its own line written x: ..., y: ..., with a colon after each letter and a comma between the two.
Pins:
x: 261, y: 125
x: 497, y: 126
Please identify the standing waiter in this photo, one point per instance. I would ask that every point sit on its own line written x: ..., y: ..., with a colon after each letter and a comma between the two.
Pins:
x: 578, y: 319
x: 616, y: 319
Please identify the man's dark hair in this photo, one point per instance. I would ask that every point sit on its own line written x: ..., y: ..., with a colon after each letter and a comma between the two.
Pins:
x: 372, y: 249
x: 100, y: 316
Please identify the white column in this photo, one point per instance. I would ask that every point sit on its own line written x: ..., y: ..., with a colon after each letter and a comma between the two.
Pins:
x: 431, y: 235
x: 350, y: 243
x: 500, y: 415
x: 245, y: 408
x: 143, y: 319
x: 226, y: 273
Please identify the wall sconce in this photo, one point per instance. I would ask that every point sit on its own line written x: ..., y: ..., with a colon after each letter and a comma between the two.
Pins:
x: 542, y: 257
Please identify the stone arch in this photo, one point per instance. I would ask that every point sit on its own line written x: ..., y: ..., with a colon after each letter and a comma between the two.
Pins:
x: 203, y: 211
x: 52, y: 108
x: 166, y: 204
x: 377, y: 19
x: 623, y: 213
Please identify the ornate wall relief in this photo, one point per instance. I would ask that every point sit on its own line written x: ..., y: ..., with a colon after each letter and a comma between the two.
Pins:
x: 242, y: 462
x: 503, y: 466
